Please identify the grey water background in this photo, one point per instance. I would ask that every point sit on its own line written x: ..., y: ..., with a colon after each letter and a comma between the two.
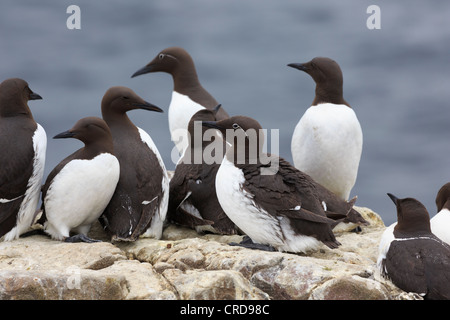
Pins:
x: 396, y: 78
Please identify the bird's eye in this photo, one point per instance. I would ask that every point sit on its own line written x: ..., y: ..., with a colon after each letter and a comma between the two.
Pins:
x: 161, y: 56
x: 126, y: 98
x: 236, y: 126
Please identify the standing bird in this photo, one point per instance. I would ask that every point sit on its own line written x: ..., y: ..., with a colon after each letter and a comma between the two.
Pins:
x: 188, y: 95
x: 23, y: 144
x: 139, y: 204
x: 193, y: 200
x: 80, y: 187
x: 327, y: 141
x: 412, y: 256
x: 440, y: 223
x: 274, y: 204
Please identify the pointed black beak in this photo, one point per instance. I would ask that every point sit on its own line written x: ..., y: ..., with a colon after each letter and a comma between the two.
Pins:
x: 211, y: 124
x: 393, y: 198
x: 144, y: 70
x: 299, y: 66
x: 35, y: 96
x: 216, y: 108
x: 147, y: 106
x: 65, y: 134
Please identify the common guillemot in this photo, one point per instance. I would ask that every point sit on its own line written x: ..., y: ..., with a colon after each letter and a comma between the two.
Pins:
x: 272, y: 202
x: 139, y: 204
x: 23, y: 144
x: 188, y: 95
x: 193, y: 200
x: 327, y: 141
x: 411, y: 256
x: 80, y: 187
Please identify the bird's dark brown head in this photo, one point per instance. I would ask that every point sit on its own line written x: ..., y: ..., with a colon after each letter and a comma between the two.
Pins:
x: 122, y: 99
x: 14, y: 96
x: 327, y: 75
x: 412, y: 216
x: 172, y: 60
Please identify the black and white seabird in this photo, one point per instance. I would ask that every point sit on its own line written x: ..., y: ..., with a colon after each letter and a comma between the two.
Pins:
x: 23, y: 144
x: 440, y: 223
x: 188, y: 94
x: 327, y: 141
x: 412, y: 256
x: 80, y: 187
x: 193, y: 200
x: 139, y: 204
x: 272, y: 202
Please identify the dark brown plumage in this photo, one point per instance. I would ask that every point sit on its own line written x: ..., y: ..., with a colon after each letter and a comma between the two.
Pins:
x: 193, y: 185
x: 416, y: 260
x: 140, y: 197
x: 18, y: 157
x: 328, y: 78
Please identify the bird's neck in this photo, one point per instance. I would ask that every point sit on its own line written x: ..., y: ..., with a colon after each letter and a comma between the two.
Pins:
x: 114, y: 118
x: 185, y: 80
x: 326, y: 93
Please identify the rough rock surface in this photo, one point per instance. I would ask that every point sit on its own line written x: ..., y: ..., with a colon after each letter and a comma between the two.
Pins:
x: 187, y: 265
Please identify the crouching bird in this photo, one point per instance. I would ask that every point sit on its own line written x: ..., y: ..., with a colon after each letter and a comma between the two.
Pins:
x: 80, y: 187
x: 273, y: 203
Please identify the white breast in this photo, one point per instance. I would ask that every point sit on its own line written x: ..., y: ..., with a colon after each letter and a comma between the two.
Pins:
x: 327, y: 145
x: 254, y: 221
x: 385, y: 242
x: 29, y: 204
x: 181, y: 110
x: 241, y: 209
x: 155, y: 229
x: 79, y: 193
x: 440, y: 225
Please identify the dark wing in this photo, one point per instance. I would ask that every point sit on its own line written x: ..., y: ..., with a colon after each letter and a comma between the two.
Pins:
x: 194, y: 185
x: 149, y: 189
x: 286, y: 189
x: 421, y: 266
x: 204, y: 198
x: 179, y: 185
x: 437, y: 269
x: 15, y: 173
x: 405, y: 266
x: 180, y: 193
x: 270, y: 191
x: 294, y: 196
x: 336, y: 208
x: 127, y: 214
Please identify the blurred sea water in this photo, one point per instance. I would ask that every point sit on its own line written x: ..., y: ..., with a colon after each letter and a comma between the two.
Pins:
x: 395, y: 78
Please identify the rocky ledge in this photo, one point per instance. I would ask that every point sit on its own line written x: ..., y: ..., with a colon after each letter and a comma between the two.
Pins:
x: 186, y: 265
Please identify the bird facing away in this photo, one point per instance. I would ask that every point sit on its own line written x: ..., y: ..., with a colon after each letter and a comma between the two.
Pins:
x: 412, y: 256
x: 440, y: 223
x: 327, y: 141
x: 188, y: 95
x: 139, y: 204
x: 80, y: 187
x: 23, y: 144
x: 274, y: 205
x: 193, y: 201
